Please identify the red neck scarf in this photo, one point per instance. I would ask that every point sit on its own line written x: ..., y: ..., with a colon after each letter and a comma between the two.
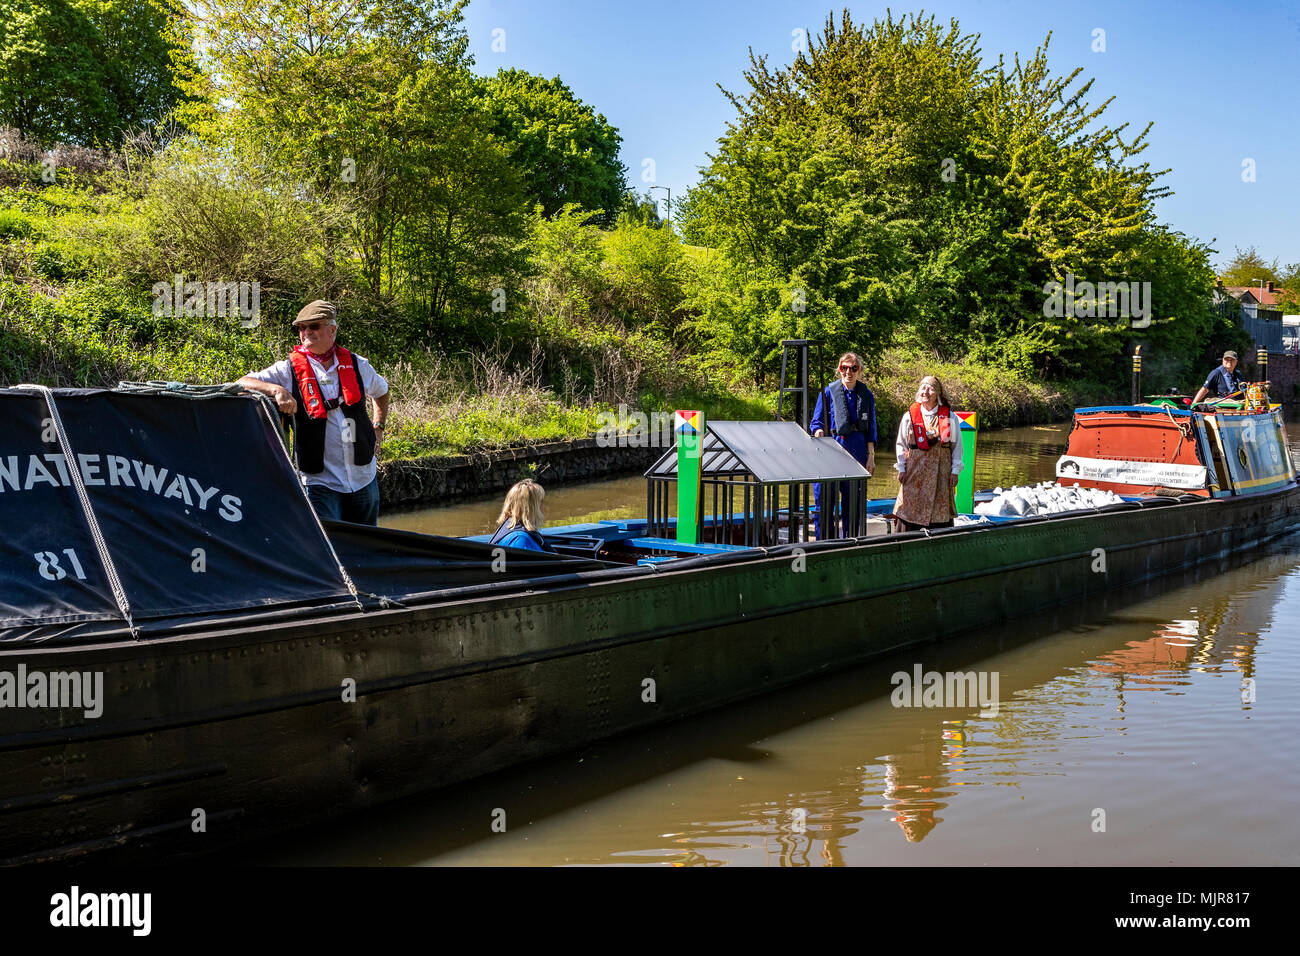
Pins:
x: 325, y: 360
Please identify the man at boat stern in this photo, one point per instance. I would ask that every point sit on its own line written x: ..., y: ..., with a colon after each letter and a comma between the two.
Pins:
x: 324, y: 387
x: 1224, y: 380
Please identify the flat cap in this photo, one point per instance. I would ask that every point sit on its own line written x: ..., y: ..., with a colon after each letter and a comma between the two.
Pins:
x: 318, y: 311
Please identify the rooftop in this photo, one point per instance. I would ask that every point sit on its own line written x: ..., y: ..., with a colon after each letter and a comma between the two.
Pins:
x: 770, y: 451
x: 1266, y: 296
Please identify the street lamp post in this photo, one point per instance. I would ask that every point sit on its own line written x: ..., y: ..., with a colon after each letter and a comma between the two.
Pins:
x: 668, y: 190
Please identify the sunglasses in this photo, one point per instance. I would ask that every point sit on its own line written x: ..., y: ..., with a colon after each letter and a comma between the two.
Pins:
x: 313, y: 326
x: 848, y: 368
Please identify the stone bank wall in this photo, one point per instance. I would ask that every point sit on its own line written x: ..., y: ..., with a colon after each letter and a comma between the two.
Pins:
x: 1284, y: 374
x: 437, y: 480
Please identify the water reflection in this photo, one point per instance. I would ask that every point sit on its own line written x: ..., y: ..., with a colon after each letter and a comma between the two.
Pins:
x: 1115, y: 705
x: 914, y: 783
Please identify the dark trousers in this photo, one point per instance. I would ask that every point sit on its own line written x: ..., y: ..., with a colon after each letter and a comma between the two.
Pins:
x: 840, y: 492
x: 359, y: 507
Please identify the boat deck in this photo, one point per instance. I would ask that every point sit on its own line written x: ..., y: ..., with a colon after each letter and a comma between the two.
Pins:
x: 624, y: 541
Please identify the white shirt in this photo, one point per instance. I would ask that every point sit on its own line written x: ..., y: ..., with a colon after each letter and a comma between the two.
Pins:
x: 902, y: 446
x: 341, y: 473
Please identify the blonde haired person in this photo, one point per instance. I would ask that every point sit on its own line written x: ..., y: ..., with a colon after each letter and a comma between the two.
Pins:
x: 520, y: 521
x: 929, y: 460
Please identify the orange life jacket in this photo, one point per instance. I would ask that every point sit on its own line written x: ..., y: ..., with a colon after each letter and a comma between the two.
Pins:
x: 310, y: 418
x: 918, y: 426
x: 313, y: 401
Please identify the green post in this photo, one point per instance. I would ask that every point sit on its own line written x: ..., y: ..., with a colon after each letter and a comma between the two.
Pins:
x: 966, y: 481
x: 690, y: 440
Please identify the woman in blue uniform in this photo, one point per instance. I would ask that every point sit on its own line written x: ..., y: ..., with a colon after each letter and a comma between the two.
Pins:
x: 846, y: 409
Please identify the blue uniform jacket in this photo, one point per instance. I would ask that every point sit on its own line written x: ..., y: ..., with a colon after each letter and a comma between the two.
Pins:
x: 1220, y: 383
x: 855, y: 443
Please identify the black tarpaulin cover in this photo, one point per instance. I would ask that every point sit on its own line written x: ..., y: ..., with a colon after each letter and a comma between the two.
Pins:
x: 199, y: 508
x: 399, y: 564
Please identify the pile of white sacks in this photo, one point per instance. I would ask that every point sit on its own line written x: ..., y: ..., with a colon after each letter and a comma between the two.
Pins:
x: 1044, y: 498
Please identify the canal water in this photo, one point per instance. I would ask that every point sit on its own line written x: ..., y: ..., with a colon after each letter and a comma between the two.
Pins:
x: 1156, y: 727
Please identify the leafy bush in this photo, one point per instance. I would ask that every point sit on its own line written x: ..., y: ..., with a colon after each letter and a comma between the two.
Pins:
x: 99, y: 333
x: 1002, y: 397
x: 210, y: 222
x: 62, y: 259
x: 15, y: 224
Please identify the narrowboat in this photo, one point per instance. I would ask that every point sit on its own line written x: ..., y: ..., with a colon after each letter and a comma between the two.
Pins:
x: 189, y: 658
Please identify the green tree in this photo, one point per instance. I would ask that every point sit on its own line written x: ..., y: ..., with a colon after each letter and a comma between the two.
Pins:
x: 565, y: 152
x: 817, y: 190
x: 646, y: 267
x: 461, y: 225
x: 1289, y: 299
x: 368, y: 103
x: 52, y: 84
x: 1247, y: 268
x: 641, y: 209
x: 567, y: 280
x: 137, y: 54
x: 315, y: 77
x: 84, y: 72
x: 900, y: 193
x: 323, y: 92
x: 697, y: 218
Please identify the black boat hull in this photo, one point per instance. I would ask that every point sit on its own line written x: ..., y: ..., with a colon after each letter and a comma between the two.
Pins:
x: 253, y: 729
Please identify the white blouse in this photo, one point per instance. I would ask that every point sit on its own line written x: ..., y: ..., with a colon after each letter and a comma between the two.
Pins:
x: 903, y: 444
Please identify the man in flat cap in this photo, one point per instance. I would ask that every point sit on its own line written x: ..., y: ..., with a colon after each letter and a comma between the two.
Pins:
x: 1224, y: 380
x: 324, y: 386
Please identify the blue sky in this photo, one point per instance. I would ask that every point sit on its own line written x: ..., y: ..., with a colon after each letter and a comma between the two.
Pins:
x: 1221, y: 81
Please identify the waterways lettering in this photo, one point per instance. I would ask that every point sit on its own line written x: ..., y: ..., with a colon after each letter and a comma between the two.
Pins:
x: 17, y: 474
